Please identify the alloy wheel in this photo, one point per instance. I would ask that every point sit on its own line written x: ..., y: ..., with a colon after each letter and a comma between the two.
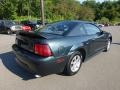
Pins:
x: 75, y: 63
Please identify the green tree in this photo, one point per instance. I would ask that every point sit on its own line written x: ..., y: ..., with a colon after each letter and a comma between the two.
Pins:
x: 104, y: 20
x: 7, y: 10
x: 62, y: 9
x: 86, y: 13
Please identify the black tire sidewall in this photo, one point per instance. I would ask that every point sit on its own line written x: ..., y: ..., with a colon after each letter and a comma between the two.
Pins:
x: 68, y: 69
x: 107, y: 46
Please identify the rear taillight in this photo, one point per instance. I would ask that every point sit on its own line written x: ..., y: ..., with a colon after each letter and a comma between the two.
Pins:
x: 26, y: 28
x: 42, y: 50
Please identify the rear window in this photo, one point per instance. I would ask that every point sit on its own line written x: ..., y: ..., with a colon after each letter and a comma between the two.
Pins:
x: 59, y: 28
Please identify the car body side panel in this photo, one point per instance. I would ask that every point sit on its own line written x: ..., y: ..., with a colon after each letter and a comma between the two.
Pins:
x: 66, y: 45
x: 99, y: 42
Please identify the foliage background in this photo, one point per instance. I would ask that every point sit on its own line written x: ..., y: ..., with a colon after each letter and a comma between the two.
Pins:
x: 105, y: 12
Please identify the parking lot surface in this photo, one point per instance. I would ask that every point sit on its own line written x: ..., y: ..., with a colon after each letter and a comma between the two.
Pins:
x: 101, y: 72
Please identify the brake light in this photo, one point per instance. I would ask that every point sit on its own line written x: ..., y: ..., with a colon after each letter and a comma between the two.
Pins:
x: 26, y: 28
x: 42, y: 50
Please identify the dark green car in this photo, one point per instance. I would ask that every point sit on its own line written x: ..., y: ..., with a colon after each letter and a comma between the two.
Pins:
x: 60, y: 47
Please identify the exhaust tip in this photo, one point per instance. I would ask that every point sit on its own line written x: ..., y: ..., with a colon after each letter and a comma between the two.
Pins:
x: 37, y: 76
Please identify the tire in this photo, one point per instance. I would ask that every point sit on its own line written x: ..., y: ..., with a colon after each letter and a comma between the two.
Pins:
x: 108, y: 45
x: 9, y: 32
x: 74, y: 64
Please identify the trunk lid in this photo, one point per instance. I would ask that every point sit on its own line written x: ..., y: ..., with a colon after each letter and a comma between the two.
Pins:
x: 26, y: 40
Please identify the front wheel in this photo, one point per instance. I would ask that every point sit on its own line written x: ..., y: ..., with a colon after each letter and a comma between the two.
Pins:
x: 74, y: 63
x: 108, y: 45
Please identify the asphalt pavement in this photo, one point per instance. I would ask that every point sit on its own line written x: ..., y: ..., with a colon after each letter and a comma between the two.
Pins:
x: 101, y: 72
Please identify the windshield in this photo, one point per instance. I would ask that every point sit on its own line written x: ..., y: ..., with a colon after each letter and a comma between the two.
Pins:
x: 59, y: 28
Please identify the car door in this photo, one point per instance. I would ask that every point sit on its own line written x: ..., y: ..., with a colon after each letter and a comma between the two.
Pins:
x: 97, y: 38
x: 83, y: 38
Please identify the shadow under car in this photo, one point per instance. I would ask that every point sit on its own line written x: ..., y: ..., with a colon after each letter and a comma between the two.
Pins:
x: 8, y: 59
x: 116, y: 43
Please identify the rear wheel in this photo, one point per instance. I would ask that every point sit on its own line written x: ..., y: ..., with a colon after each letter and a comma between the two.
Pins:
x: 74, y: 63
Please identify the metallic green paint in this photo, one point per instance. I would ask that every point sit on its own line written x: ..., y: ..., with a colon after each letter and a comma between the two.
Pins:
x: 62, y: 47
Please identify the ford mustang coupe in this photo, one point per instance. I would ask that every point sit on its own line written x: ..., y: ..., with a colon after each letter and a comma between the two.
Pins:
x: 60, y: 46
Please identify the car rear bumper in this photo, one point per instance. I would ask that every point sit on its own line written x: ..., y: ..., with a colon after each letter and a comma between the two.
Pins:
x: 16, y: 30
x: 37, y: 64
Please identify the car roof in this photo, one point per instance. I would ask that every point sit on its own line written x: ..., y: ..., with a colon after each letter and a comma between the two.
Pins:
x: 78, y: 21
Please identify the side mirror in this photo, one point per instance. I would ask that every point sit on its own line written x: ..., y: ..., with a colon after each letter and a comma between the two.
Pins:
x: 99, y: 33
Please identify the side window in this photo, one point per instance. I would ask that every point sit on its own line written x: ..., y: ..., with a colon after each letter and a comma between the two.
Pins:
x: 91, y: 29
x: 78, y: 31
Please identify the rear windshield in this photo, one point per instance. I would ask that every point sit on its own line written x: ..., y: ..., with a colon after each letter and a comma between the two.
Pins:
x: 59, y: 28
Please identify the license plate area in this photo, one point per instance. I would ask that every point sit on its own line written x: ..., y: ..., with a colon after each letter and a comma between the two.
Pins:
x: 25, y: 43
